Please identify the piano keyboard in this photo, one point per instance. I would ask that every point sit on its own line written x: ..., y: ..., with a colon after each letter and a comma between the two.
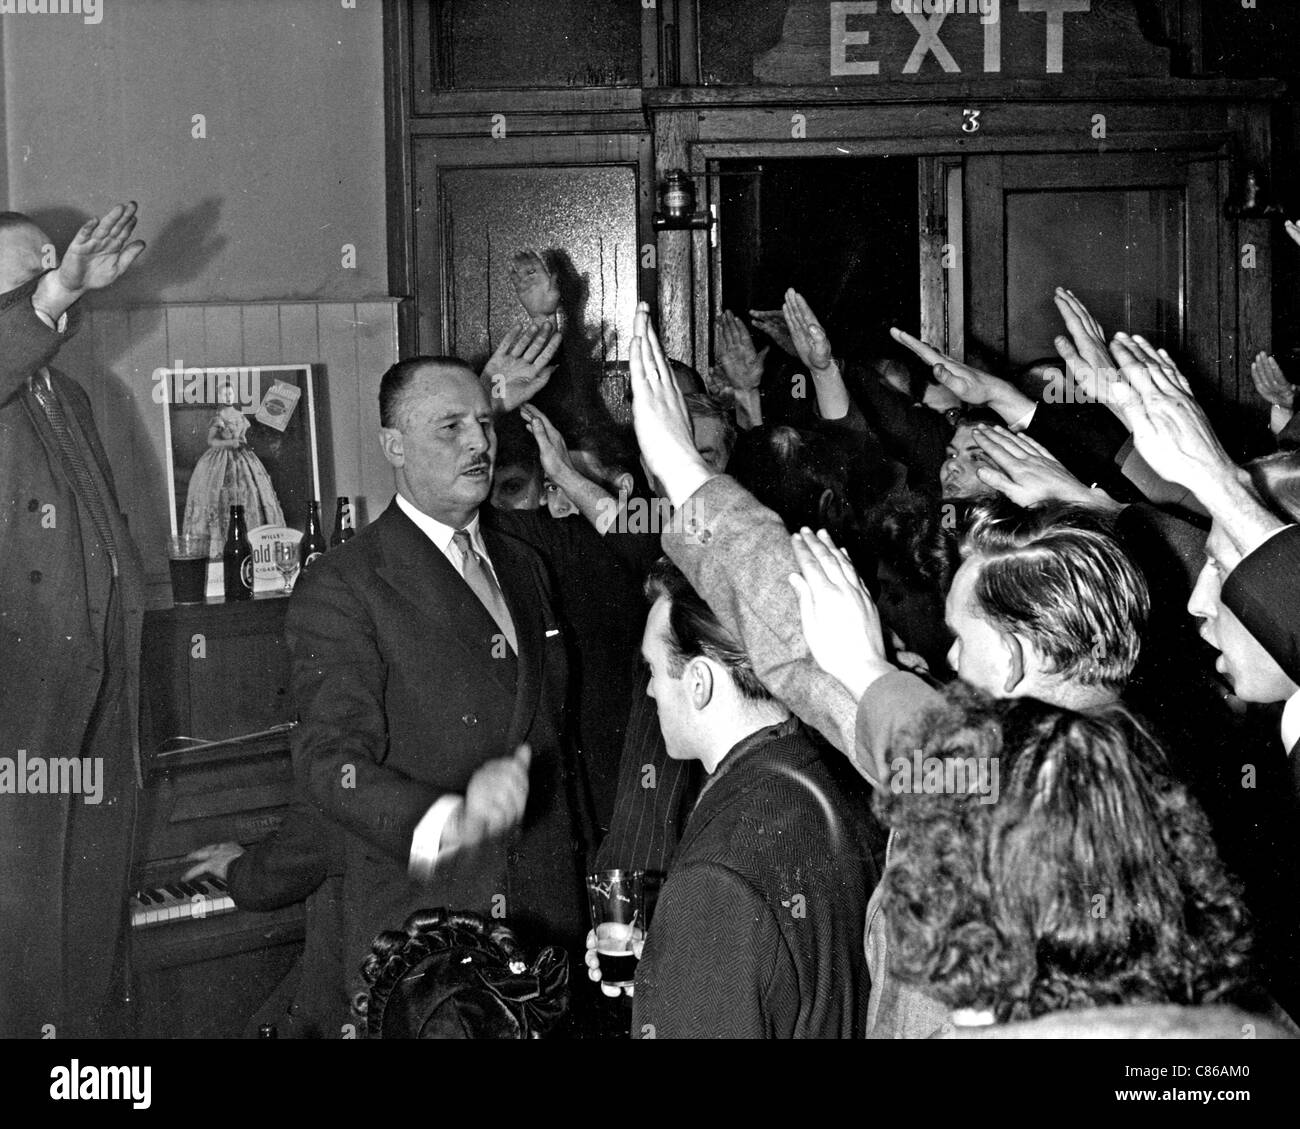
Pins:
x: 181, y: 901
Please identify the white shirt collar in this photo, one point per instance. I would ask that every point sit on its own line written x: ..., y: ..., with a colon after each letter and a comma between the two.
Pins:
x: 1291, y: 722
x: 435, y: 530
x: 441, y: 534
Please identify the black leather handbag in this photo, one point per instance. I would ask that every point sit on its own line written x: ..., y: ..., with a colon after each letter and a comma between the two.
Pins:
x: 453, y: 975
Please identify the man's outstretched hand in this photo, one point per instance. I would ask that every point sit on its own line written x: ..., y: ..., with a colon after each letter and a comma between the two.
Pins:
x: 1029, y: 474
x: 520, y: 367
x: 810, y: 341
x: 1271, y: 383
x: 659, y: 416
x: 970, y: 385
x: 740, y: 362
x: 99, y: 254
x: 840, y: 622
x: 772, y: 323
x: 552, y: 450
x: 1170, y: 429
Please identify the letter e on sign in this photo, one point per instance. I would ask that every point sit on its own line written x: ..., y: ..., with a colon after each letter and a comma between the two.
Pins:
x: 842, y: 39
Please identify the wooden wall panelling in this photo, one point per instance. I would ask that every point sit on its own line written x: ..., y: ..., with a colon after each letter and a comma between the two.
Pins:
x: 336, y: 397
x: 260, y: 329
x: 651, y: 52
x: 985, y: 224
x: 126, y: 406
x: 1254, y: 291
x: 674, y: 135
x: 146, y: 348
x: 376, y: 331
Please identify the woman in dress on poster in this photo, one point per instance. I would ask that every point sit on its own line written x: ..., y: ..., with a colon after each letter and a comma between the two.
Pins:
x: 229, y: 473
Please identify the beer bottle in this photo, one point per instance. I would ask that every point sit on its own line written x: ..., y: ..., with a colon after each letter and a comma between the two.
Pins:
x: 237, y: 558
x: 313, y: 541
x: 343, y: 530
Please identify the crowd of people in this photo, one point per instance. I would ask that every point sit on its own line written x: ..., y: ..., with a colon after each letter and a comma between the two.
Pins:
x: 930, y: 701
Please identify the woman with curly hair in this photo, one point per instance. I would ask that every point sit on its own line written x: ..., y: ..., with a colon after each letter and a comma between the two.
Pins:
x: 1085, y: 878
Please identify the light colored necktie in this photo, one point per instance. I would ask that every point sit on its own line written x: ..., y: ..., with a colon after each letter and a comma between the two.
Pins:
x: 479, y: 577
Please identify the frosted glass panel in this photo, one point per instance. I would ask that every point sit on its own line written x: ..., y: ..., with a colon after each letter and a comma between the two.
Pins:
x: 1120, y: 250
x: 583, y: 219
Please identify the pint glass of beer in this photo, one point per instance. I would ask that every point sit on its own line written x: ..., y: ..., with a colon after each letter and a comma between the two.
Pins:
x: 617, y: 899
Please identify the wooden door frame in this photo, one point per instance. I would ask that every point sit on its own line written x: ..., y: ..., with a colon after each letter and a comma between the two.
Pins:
x: 691, y: 128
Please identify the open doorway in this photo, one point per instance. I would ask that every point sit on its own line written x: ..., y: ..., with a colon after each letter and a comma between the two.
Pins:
x: 844, y: 232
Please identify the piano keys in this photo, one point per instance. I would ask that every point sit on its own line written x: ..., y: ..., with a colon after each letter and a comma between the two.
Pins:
x: 181, y: 901
x: 215, y: 751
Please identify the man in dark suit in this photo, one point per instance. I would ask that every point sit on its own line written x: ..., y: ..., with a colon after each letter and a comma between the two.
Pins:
x: 1245, y: 596
x: 429, y: 675
x: 71, y: 610
x: 757, y: 929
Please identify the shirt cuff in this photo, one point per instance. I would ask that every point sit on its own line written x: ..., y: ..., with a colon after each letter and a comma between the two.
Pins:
x: 1024, y: 421
x: 58, y: 326
x: 1278, y: 418
x: 426, y: 843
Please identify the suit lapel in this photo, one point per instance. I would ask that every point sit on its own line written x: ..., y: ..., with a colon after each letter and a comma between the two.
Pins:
x: 416, y: 569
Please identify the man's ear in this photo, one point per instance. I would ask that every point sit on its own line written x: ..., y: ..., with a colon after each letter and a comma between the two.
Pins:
x: 830, y: 509
x: 700, y: 683
x: 623, y: 484
x: 390, y: 442
x: 1015, y: 648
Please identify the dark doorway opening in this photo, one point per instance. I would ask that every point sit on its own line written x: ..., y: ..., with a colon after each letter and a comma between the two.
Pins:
x: 842, y: 232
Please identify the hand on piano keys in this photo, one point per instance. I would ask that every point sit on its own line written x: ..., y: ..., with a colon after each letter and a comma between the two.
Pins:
x: 200, y: 892
x: 181, y: 901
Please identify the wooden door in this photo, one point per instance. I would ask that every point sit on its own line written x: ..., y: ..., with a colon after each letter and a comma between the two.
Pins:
x: 1137, y: 236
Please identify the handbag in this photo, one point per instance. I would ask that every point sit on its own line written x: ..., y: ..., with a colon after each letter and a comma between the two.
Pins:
x: 451, y: 975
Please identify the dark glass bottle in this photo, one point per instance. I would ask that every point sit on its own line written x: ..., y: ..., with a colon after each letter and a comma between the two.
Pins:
x: 343, y: 528
x: 313, y: 541
x: 237, y: 558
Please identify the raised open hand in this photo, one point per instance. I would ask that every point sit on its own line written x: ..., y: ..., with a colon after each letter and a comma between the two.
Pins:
x: 1170, y: 430
x: 811, y: 344
x: 1029, y: 474
x: 99, y: 253
x: 1084, y: 330
x: 659, y: 416
x: 840, y: 622
x: 1271, y: 383
x: 967, y: 383
x: 520, y: 367
x: 772, y: 323
x: 551, y: 447
x: 740, y: 363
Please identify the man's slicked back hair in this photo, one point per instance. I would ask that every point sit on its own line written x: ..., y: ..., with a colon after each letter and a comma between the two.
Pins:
x: 9, y: 220
x: 694, y: 631
x: 1057, y: 576
x: 397, y: 379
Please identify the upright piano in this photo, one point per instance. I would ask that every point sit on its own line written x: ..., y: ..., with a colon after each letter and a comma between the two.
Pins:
x: 216, y: 716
